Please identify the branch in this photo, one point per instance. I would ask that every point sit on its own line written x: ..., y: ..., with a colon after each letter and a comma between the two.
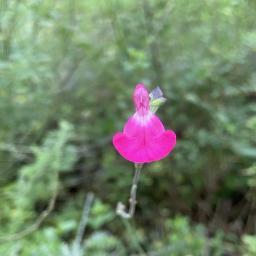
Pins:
x: 84, y: 219
x: 36, y: 224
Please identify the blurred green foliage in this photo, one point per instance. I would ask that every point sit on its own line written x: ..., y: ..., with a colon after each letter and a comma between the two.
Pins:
x: 79, y: 61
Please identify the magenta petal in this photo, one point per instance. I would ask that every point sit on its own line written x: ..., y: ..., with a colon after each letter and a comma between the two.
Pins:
x: 149, y: 126
x: 144, y: 141
x: 141, y: 99
x: 160, y: 147
x: 134, y: 151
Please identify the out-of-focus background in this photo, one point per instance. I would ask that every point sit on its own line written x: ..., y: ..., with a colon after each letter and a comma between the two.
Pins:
x: 67, y: 72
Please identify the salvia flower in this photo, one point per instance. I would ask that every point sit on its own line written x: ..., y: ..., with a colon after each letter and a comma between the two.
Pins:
x: 144, y: 138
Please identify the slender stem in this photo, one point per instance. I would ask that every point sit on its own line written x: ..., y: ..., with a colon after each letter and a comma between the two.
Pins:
x: 121, y: 209
x: 27, y: 231
x: 84, y: 219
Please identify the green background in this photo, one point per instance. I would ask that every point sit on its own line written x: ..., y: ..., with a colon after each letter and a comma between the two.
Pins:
x: 67, y: 73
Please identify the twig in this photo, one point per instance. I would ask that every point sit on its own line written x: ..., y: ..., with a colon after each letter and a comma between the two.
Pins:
x: 36, y: 224
x: 84, y: 219
x: 120, y: 209
x: 20, y: 153
x: 76, y: 248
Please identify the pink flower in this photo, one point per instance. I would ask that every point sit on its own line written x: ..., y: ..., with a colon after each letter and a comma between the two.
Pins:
x: 144, y: 138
